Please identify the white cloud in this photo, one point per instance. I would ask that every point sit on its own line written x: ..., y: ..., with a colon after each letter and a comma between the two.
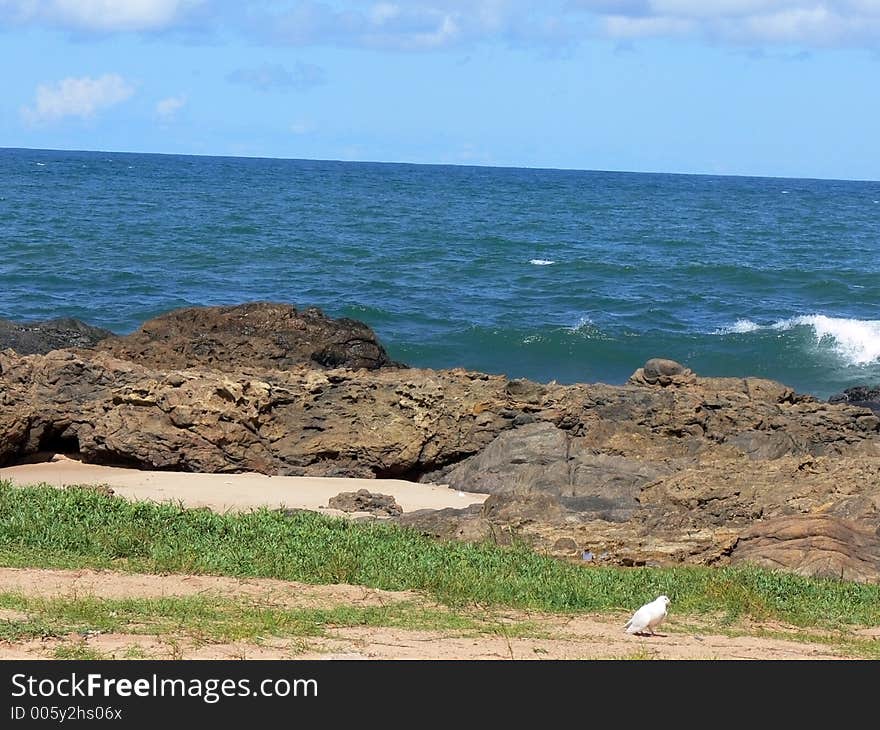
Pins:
x: 97, y: 15
x: 76, y: 97
x: 809, y: 23
x: 166, y: 109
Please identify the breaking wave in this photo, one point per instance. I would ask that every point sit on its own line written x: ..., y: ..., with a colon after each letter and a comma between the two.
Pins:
x: 856, y: 341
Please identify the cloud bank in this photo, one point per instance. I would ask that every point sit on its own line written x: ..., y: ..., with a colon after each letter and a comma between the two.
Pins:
x: 425, y: 25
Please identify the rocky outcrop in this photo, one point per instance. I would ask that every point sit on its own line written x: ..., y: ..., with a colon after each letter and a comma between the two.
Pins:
x: 668, y: 468
x: 815, y: 545
x: 542, y: 459
x: 403, y: 423
x: 643, y: 486
x: 262, y: 335
x: 387, y: 423
x: 862, y: 396
x: 38, y: 338
x: 363, y: 500
x: 696, y: 514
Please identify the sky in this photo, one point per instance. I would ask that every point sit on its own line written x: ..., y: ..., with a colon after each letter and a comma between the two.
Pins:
x: 787, y: 88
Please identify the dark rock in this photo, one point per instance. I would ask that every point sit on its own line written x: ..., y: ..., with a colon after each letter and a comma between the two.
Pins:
x: 862, y: 396
x: 257, y: 335
x: 541, y: 459
x: 365, y: 501
x: 38, y: 338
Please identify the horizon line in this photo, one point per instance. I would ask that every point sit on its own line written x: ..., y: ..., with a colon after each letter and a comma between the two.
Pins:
x: 441, y: 164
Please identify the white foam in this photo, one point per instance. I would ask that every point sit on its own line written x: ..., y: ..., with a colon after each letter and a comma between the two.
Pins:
x: 740, y: 327
x: 541, y: 262
x: 855, y: 340
x: 41, y: 164
x: 582, y: 324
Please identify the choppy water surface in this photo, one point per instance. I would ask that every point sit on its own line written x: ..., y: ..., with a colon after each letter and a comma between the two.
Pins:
x: 547, y: 274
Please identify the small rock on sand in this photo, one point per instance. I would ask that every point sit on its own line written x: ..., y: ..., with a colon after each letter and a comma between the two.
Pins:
x: 365, y: 501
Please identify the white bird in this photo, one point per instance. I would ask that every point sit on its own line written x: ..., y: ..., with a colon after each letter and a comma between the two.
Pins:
x: 648, y: 617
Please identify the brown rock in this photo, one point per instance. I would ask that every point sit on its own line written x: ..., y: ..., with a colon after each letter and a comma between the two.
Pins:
x: 387, y: 423
x: 658, y: 371
x: 364, y: 500
x: 565, y: 545
x: 521, y: 509
x: 813, y: 545
x: 256, y: 335
x: 450, y: 524
x: 594, y: 442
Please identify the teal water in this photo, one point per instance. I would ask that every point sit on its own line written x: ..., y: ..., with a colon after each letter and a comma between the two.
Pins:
x: 575, y: 276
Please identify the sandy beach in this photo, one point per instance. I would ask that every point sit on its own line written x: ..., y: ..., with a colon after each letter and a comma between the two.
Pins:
x: 234, y: 492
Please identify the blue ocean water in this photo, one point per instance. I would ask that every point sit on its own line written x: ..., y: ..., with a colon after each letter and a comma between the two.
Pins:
x: 573, y: 276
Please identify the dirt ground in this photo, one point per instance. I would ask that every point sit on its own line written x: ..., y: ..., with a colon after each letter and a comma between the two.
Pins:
x: 586, y: 636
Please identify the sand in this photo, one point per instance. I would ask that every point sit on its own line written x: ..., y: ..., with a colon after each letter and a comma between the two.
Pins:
x: 233, y: 492
x: 555, y: 636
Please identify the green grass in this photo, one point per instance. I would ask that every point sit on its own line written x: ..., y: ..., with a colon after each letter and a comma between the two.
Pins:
x: 212, y: 619
x: 76, y: 650
x: 47, y: 527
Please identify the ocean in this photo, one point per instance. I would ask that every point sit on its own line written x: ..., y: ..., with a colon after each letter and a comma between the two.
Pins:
x: 573, y: 276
